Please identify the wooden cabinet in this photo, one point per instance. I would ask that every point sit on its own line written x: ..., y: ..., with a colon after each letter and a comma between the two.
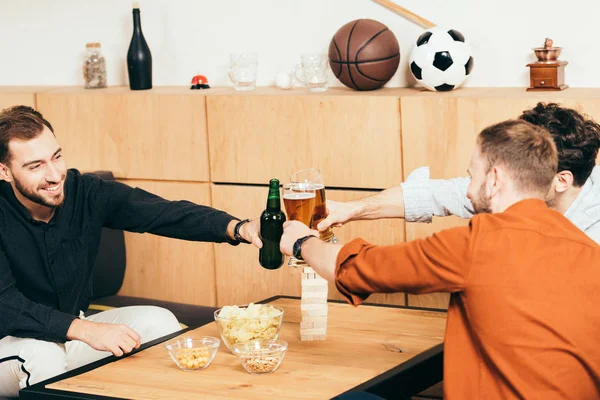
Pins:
x: 170, y: 269
x: 353, y: 139
x: 241, y: 279
x: 155, y: 134
x: 17, y: 95
x: 213, y: 147
x: 548, y: 75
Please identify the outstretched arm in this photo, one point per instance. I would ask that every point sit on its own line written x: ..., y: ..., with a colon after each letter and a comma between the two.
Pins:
x: 418, y: 199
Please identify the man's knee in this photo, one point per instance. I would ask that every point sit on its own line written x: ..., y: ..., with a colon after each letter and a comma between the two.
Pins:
x: 30, y: 362
x: 44, y: 360
x: 154, y: 322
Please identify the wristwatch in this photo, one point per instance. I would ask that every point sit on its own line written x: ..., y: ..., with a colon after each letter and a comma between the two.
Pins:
x: 297, y: 250
x: 236, y: 231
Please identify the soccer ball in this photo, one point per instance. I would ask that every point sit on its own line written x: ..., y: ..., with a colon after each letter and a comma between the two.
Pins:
x: 441, y: 59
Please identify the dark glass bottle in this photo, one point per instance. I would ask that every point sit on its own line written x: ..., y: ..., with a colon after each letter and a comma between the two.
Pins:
x: 271, y: 229
x: 139, y: 59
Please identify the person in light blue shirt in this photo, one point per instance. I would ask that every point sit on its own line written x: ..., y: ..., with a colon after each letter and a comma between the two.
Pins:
x: 575, y: 191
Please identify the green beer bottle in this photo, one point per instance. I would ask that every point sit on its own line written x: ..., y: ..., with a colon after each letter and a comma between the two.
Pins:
x: 271, y: 229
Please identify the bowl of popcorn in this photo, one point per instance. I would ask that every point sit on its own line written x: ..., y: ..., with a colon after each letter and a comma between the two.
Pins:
x: 193, y: 354
x: 260, y: 357
x: 254, y: 322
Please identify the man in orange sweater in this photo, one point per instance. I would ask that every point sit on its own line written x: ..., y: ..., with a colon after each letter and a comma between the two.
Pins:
x: 523, y: 320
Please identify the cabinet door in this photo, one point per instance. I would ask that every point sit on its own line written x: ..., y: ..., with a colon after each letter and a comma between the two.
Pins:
x: 16, y: 96
x: 241, y: 279
x: 353, y: 140
x: 150, y: 135
x: 170, y: 269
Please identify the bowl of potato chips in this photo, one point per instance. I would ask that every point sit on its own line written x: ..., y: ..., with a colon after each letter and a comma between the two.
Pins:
x: 252, y: 322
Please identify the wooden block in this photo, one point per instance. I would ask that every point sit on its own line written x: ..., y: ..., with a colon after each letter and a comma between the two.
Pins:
x: 309, y: 337
x: 318, y: 295
x: 313, y: 306
x: 314, y: 331
x: 314, y: 319
x: 314, y: 282
x: 313, y: 300
x: 309, y: 273
x: 313, y: 325
x: 314, y: 289
x: 314, y: 313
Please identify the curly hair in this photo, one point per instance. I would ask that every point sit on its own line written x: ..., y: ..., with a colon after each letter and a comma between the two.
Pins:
x: 577, y: 137
x: 19, y: 122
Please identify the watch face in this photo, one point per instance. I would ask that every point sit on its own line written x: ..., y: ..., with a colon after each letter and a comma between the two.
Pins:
x: 298, y: 249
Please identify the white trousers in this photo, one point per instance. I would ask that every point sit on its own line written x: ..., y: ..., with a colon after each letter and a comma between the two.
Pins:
x: 24, y: 362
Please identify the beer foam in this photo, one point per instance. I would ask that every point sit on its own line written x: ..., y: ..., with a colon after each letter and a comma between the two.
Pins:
x: 308, y: 186
x: 298, y: 196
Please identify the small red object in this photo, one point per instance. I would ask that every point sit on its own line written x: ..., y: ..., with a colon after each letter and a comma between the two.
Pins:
x: 199, y: 79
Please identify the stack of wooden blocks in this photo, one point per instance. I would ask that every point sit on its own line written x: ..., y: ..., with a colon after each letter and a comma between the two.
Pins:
x: 313, y: 305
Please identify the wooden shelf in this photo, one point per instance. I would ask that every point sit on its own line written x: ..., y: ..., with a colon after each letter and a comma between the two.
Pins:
x: 511, y: 92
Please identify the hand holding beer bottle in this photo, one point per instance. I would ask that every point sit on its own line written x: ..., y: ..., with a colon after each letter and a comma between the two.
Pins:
x: 299, y: 201
x: 271, y: 229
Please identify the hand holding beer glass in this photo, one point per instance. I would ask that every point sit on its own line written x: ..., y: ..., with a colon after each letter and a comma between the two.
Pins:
x: 299, y: 202
x: 304, y: 200
x: 314, y: 178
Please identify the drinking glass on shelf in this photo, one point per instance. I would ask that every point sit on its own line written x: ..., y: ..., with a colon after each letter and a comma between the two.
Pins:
x: 299, y: 202
x: 313, y: 72
x: 313, y: 177
x: 243, y: 69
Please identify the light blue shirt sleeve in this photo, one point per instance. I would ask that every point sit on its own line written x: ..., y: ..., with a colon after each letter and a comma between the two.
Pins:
x: 425, y: 198
x: 594, y: 232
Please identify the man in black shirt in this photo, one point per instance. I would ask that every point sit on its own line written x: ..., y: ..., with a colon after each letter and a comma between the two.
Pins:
x: 50, y: 224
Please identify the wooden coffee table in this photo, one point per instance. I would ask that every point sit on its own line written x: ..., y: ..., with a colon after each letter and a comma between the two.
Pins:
x: 392, y: 351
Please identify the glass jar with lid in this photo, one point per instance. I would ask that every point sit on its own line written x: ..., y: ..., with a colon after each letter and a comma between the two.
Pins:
x: 94, y: 67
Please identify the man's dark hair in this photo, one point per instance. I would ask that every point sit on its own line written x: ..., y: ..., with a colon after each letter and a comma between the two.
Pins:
x: 19, y: 122
x: 577, y: 137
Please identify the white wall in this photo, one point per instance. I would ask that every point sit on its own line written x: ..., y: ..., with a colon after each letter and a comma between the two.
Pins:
x: 43, y: 41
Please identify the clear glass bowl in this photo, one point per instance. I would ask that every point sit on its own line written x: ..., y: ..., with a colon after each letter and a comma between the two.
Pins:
x: 193, y: 354
x: 260, y: 357
x: 235, y: 330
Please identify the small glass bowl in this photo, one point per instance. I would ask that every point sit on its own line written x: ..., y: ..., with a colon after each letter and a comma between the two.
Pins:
x: 193, y: 354
x: 260, y: 357
x: 236, y: 330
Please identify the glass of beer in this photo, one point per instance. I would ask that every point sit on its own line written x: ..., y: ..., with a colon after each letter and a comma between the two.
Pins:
x: 299, y: 202
x: 314, y: 178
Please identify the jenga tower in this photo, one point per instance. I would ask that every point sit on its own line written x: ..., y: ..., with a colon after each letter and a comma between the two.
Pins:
x: 313, y: 306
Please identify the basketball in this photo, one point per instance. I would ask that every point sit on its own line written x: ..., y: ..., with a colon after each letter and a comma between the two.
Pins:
x: 364, y: 54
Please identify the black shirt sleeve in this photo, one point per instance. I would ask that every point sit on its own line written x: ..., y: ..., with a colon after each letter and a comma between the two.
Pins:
x: 136, y: 210
x: 22, y: 317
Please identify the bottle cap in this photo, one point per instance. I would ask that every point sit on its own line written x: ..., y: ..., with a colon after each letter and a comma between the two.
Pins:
x: 93, y: 45
x: 136, y: 4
